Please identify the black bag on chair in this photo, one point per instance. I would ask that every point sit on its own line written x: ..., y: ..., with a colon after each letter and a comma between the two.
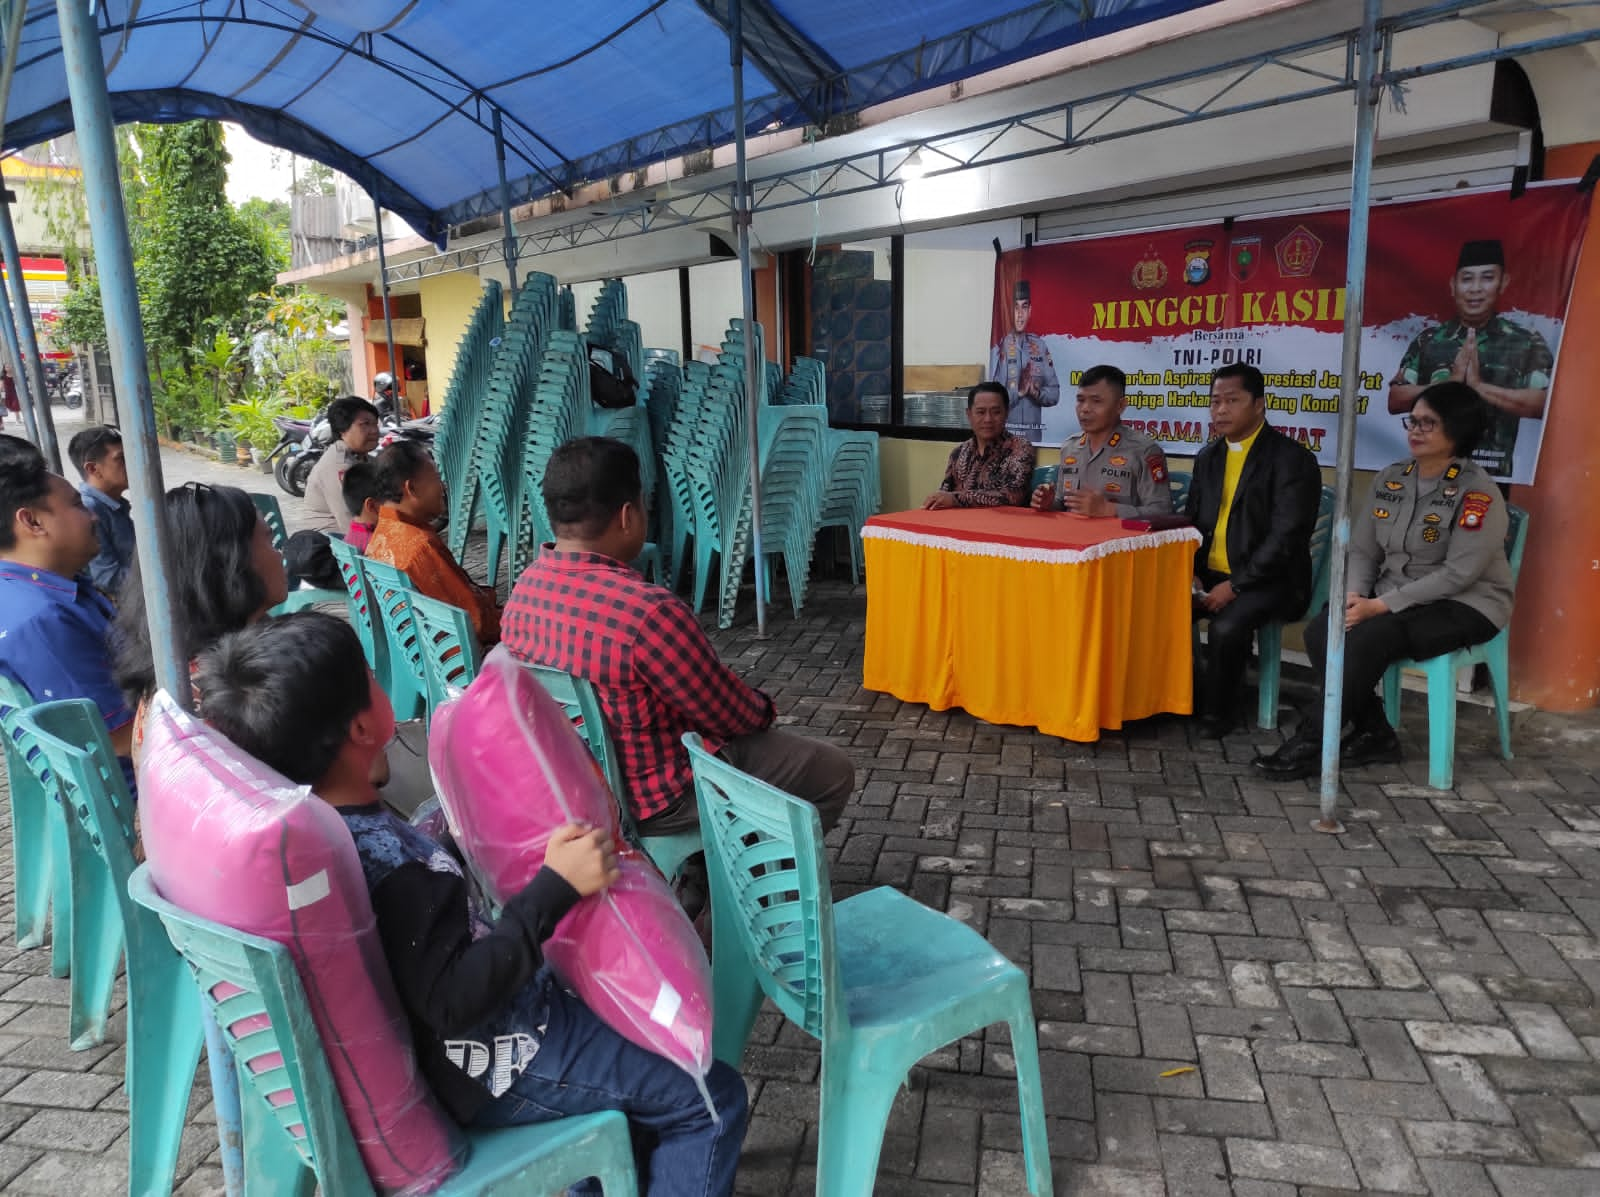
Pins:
x: 611, y: 380
x: 307, y: 558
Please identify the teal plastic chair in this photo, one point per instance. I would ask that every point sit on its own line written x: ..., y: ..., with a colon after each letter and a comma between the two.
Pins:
x: 296, y: 1133
x: 1179, y: 481
x: 92, y: 935
x: 389, y: 593
x: 363, y: 617
x: 879, y: 978
x: 582, y: 706
x: 163, y: 1031
x: 305, y: 596
x: 449, y: 648
x: 1440, y: 674
x: 38, y: 843
x: 1269, y: 638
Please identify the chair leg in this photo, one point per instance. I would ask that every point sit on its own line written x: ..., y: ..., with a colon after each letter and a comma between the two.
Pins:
x: 61, y: 893
x: 96, y: 949
x: 1269, y: 646
x: 1441, y: 722
x: 163, y: 1053
x: 1030, y: 1097
x: 1500, y: 685
x: 32, y: 855
x: 854, y: 1112
x: 1391, y: 696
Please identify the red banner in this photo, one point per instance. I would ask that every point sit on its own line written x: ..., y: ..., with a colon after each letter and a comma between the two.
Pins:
x: 1482, y: 271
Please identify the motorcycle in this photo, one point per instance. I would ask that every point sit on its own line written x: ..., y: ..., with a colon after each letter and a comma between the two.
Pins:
x: 300, y: 444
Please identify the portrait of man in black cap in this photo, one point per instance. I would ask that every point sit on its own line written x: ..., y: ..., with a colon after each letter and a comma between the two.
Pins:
x: 1022, y: 364
x: 1507, y: 364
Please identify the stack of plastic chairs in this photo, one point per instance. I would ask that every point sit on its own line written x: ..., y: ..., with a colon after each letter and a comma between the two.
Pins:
x: 464, y: 396
x: 854, y: 490
x: 567, y: 310
x: 808, y: 383
x: 497, y: 449
x: 558, y: 411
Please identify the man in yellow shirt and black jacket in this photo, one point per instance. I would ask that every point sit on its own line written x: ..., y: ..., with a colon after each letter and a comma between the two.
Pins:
x: 1254, y: 498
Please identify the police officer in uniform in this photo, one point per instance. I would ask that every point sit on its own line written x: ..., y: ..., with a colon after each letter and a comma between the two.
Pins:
x: 1428, y: 575
x: 1508, y: 365
x: 1022, y: 363
x: 1110, y: 469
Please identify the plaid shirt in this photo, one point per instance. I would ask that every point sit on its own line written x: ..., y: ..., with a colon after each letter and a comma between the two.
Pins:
x: 998, y: 478
x: 642, y: 649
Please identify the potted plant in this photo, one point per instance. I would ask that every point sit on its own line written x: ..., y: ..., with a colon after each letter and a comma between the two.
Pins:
x: 250, y: 421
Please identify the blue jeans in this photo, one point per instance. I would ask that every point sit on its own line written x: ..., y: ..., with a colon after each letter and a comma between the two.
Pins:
x: 583, y: 1066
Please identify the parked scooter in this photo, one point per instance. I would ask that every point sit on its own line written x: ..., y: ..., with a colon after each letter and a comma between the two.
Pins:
x: 300, y: 443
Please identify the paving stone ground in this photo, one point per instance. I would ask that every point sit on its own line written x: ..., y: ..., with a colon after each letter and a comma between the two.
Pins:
x: 1409, y: 1007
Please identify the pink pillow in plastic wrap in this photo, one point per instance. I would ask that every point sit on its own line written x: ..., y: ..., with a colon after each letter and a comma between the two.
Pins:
x: 510, y: 769
x: 235, y: 842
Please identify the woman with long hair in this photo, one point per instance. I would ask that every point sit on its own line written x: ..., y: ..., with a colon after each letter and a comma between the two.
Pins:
x: 226, y: 574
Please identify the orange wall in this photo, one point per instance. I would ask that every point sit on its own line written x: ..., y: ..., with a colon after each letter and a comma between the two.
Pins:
x: 1555, y: 632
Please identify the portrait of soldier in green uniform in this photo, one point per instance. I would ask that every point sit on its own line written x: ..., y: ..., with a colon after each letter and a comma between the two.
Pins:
x: 1022, y: 364
x: 1507, y: 364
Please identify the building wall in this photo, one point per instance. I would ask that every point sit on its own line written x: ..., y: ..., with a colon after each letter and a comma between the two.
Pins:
x: 448, y: 301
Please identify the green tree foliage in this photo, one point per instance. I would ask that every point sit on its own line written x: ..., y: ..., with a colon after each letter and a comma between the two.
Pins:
x: 200, y: 263
x: 271, y: 216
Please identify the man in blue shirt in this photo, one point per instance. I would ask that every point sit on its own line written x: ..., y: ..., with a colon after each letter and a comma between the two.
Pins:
x: 97, y: 454
x: 53, y: 624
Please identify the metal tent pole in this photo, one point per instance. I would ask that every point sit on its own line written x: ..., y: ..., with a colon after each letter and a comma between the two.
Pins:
x: 388, y: 316
x: 108, y: 225
x: 752, y: 368
x: 23, y: 315
x: 8, y: 331
x: 1349, y: 388
x: 505, y: 203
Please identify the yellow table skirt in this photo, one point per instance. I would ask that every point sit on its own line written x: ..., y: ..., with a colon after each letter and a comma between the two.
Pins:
x: 1066, y: 648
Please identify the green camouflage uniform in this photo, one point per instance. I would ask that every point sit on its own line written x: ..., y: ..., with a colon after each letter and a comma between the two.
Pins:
x: 1509, y: 355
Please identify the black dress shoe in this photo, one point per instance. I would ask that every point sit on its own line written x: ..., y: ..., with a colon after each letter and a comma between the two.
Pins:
x: 1296, y: 759
x: 1375, y: 746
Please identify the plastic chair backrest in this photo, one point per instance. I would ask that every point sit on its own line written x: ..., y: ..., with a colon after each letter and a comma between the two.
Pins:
x: 267, y: 505
x: 391, y: 592
x: 1516, y: 538
x: 449, y: 648
x: 582, y: 706
x: 251, y: 986
x: 348, y: 559
x: 768, y: 846
x: 1321, y: 551
x: 1179, y: 481
x: 71, y: 735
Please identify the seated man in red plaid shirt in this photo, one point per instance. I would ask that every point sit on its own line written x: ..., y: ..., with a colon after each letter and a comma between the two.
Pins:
x: 581, y: 608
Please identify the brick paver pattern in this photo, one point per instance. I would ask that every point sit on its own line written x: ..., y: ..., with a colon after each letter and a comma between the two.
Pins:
x: 1228, y: 1002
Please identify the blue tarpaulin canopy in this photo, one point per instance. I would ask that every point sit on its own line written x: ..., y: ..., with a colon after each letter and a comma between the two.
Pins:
x: 401, y: 94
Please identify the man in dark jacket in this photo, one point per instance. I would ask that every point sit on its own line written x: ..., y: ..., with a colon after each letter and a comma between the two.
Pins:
x: 1254, y: 499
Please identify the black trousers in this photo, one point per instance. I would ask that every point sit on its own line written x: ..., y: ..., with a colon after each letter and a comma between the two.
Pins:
x: 1228, y: 641
x: 1374, y: 644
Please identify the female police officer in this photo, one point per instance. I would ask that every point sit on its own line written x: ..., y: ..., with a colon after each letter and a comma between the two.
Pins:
x: 1428, y: 575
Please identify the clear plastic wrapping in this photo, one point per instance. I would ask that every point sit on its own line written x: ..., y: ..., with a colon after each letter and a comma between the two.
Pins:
x: 510, y: 769
x: 239, y: 844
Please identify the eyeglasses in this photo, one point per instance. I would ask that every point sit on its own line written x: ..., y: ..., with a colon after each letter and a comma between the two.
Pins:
x: 1422, y: 424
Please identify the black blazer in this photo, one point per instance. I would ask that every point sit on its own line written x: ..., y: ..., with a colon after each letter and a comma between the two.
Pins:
x: 1274, y: 512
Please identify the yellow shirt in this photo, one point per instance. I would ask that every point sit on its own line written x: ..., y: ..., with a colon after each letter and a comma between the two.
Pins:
x: 1217, y: 559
